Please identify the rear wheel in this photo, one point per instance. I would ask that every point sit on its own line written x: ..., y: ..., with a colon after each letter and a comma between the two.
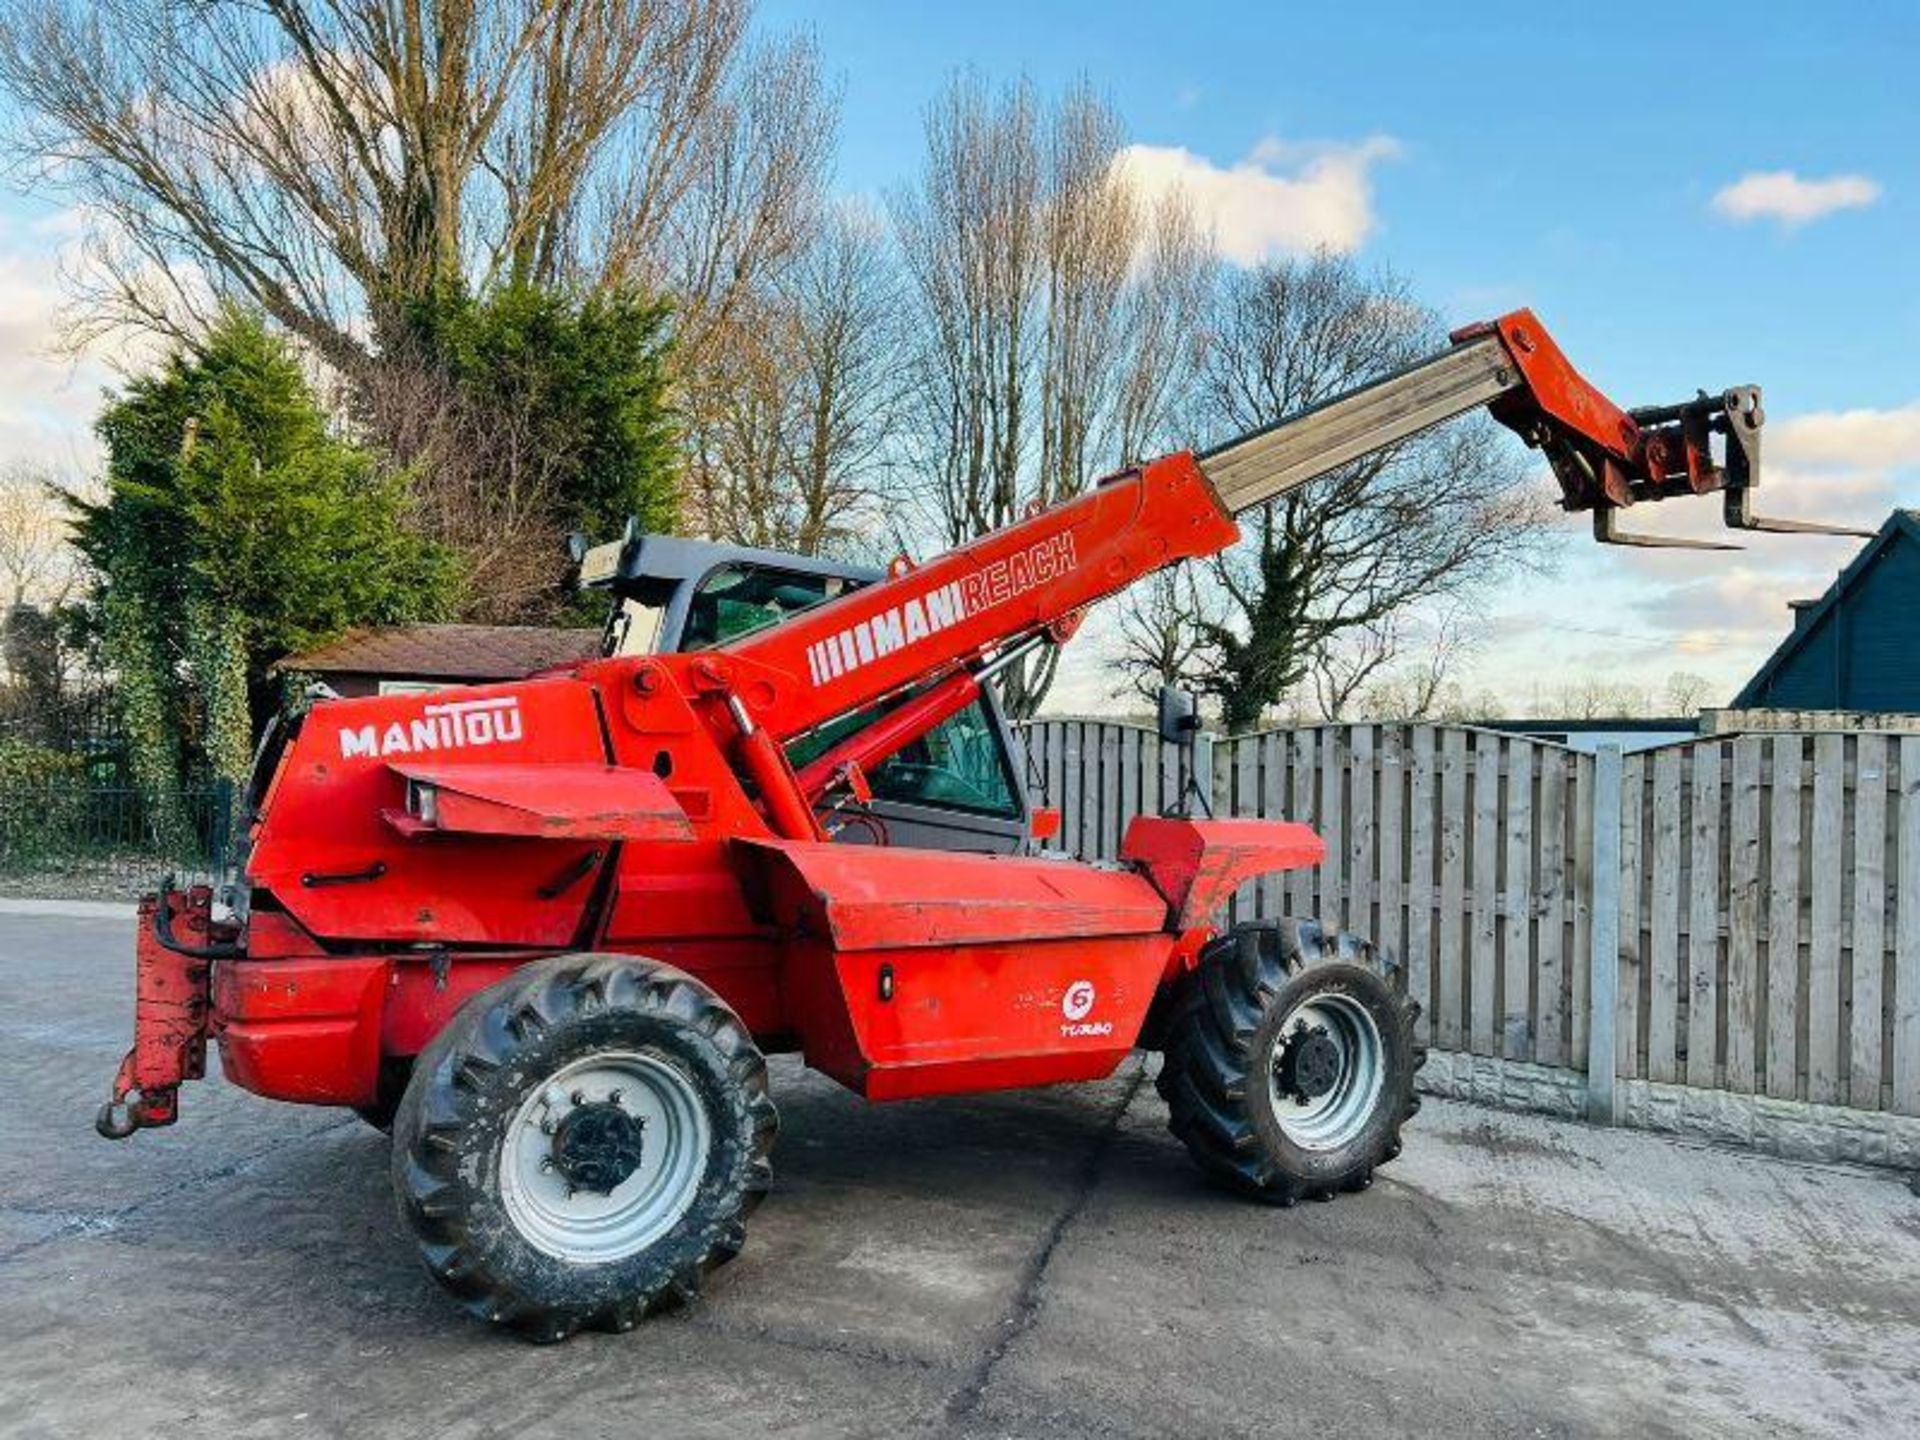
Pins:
x: 1289, y: 1061
x: 582, y: 1143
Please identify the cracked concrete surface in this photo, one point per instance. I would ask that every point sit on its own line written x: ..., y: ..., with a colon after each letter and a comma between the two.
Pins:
x: 1025, y: 1264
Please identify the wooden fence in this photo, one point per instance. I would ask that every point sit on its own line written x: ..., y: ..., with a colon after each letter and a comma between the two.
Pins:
x: 1761, y: 944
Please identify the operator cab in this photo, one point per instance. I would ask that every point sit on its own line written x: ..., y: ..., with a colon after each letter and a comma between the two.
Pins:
x: 956, y: 788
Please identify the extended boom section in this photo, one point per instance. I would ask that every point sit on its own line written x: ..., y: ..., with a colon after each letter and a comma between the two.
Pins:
x: 925, y: 625
x: 1266, y: 463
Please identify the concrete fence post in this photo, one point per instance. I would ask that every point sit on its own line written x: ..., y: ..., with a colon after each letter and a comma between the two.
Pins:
x: 1603, y: 969
x: 1203, y: 768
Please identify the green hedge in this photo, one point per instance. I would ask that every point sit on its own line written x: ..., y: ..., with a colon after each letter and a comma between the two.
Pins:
x: 44, y: 800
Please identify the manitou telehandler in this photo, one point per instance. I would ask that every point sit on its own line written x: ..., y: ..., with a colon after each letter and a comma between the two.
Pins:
x: 546, y: 930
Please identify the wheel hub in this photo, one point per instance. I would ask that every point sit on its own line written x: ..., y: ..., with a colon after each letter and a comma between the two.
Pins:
x: 597, y: 1146
x: 1309, y: 1065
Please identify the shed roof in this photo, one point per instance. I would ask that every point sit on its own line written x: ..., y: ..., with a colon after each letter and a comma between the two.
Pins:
x: 447, y: 652
x: 1901, y: 525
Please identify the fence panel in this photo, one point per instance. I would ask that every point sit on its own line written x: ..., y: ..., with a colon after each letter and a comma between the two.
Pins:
x: 1783, y: 920
x: 1706, y: 903
x: 1906, y: 976
x: 1823, y: 921
x: 1391, y: 928
x: 1451, y: 1010
x: 1744, y: 987
x: 1868, y: 941
x: 1303, y: 757
x: 1581, y: 782
x: 1795, y: 979
x: 1550, y: 993
x: 1768, y: 898
x: 1631, y: 1012
x: 1273, y: 803
x: 1461, y: 851
x: 1421, y: 889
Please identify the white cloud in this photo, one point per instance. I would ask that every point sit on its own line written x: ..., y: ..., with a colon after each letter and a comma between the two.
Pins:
x: 48, y: 398
x: 1741, y: 604
x: 1783, y: 196
x: 53, y: 382
x: 1653, y: 611
x: 1284, y: 197
x: 1849, y: 439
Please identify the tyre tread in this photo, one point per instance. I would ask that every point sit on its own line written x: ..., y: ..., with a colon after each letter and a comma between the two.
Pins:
x: 1207, y: 1061
x: 451, y: 1080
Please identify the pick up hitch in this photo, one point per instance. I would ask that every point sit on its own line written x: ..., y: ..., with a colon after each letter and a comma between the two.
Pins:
x: 174, y: 954
x: 1672, y: 454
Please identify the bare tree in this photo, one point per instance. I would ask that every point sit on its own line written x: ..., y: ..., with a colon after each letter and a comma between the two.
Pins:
x: 39, y: 570
x: 789, y: 434
x: 1327, y: 567
x: 1349, y: 668
x: 1164, y: 323
x: 1090, y: 230
x: 336, y: 162
x: 1685, y: 692
x: 1159, y: 644
x: 736, y: 423
x: 970, y: 240
x: 1053, y: 310
x: 37, y: 565
x: 844, y: 294
x: 750, y: 209
x: 1400, y: 669
x: 1594, y: 698
x: 485, y: 487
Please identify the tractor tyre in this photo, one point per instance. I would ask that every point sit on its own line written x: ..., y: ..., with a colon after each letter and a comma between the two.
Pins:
x: 582, y: 1144
x: 1289, y: 1061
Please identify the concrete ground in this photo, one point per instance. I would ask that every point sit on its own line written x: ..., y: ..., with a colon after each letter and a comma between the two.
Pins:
x: 1015, y: 1265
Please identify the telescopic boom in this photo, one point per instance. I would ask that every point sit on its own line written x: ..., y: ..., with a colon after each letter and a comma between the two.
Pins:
x: 930, y: 627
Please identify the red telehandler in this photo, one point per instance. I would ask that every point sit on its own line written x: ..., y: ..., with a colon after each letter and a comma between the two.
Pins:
x: 546, y: 930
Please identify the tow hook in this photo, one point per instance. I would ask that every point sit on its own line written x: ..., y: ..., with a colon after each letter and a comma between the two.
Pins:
x: 119, y: 1119
x: 172, y: 1010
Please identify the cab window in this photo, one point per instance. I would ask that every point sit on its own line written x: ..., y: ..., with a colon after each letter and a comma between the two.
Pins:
x: 957, y: 765
x: 737, y: 600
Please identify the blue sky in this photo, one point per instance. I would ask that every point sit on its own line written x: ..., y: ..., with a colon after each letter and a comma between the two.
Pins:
x: 1568, y: 158
x: 1562, y: 157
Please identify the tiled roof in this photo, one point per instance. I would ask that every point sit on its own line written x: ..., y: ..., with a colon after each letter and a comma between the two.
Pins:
x: 447, y: 652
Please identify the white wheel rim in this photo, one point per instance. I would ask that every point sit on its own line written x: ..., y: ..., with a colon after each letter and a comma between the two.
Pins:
x: 585, y: 1226
x: 1334, y: 1119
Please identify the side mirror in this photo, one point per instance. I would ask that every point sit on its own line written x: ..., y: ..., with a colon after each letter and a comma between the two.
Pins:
x: 1179, y: 715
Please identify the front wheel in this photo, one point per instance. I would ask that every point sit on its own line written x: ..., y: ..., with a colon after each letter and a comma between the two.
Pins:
x: 1289, y: 1062
x: 583, y: 1142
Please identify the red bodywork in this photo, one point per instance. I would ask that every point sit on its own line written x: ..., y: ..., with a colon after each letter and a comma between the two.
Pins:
x: 412, y: 849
